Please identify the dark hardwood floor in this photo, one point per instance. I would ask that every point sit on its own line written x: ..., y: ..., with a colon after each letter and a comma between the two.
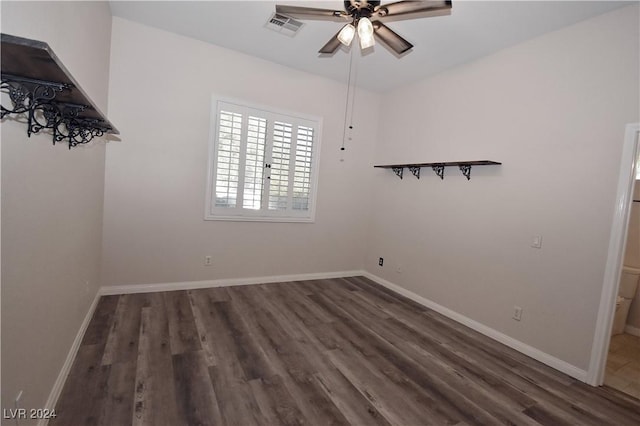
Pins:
x: 340, y: 351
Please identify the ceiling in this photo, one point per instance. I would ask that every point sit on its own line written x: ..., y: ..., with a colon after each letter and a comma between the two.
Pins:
x: 474, y: 29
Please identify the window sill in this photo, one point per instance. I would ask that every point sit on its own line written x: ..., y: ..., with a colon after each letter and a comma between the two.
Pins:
x: 261, y: 219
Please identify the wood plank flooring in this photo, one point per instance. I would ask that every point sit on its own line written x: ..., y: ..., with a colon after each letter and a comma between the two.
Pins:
x: 341, y: 351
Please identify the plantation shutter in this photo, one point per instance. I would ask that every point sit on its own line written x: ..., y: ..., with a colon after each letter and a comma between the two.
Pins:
x: 263, y: 163
x: 228, y: 159
x: 302, y: 171
x: 254, y: 165
x: 280, y: 162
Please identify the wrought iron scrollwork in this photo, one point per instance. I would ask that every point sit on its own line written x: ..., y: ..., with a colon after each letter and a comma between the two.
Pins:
x: 398, y: 171
x: 26, y: 94
x: 37, y: 99
x: 466, y: 171
x: 439, y: 169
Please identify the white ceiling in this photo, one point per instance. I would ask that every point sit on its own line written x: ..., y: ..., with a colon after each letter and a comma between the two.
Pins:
x: 474, y: 29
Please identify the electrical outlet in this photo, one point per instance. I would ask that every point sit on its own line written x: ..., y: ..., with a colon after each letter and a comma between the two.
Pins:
x: 380, y: 261
x: 398, y: 269
x: 207, y: 261
x: 517, y: 313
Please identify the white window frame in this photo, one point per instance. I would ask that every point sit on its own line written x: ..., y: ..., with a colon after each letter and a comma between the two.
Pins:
x: 239, y: 213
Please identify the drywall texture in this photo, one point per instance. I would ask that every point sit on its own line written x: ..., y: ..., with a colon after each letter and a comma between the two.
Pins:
x: 160, y: 97
x: 554, y: 111
x: 52, y: 201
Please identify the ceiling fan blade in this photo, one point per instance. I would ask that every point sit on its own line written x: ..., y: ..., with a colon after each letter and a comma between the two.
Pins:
x: 390, y: 38
x: 332, y: 45
x: 311, y: 13
x: 413, y: 9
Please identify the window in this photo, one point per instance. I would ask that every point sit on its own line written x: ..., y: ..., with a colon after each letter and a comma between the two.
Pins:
x: 262, y: 164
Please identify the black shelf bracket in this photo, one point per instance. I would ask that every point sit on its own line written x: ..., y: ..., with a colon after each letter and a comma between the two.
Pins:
x: 40, y: 87
x: 398, y: 171
x: 439, y: 169
x: 466, y: 170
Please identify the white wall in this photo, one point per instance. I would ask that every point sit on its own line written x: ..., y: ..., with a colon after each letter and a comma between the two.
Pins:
x: 51, y: 208
x: 160, y: 95
x: 553, y: 110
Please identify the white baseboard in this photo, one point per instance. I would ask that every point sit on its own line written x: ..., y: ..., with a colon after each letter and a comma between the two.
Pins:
x: 71, y: 356
x: 519, y: 346
x: 224, y: 282
x: 634, y: 331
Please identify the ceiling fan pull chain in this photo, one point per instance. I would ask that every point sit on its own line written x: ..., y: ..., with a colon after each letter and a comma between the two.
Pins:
x: 346, y: 105
x: 353, y: 95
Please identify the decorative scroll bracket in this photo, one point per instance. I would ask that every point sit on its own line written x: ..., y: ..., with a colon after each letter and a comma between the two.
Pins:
x: 439, y: 169
x: 25, y: 94
x: 466, y: 171
x: 37, y: 99
x: 36, y: 87
x: 398, y: 171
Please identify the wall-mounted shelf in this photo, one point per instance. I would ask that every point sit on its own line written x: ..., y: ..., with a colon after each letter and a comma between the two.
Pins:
x: 38, y: 85
x: 438, y: 168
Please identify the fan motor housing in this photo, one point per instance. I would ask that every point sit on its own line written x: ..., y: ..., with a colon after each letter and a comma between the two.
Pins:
x: 360, y: 8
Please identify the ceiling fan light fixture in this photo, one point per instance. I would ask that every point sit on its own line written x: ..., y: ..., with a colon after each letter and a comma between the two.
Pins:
x: 365, y: 17
x: 365, y: 33
x: 346, y: 34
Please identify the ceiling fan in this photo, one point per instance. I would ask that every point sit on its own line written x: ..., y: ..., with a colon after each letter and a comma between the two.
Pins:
x: 364, y: 16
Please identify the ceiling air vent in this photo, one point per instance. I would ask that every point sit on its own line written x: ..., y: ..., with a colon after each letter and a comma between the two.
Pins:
x: 284, y: 24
